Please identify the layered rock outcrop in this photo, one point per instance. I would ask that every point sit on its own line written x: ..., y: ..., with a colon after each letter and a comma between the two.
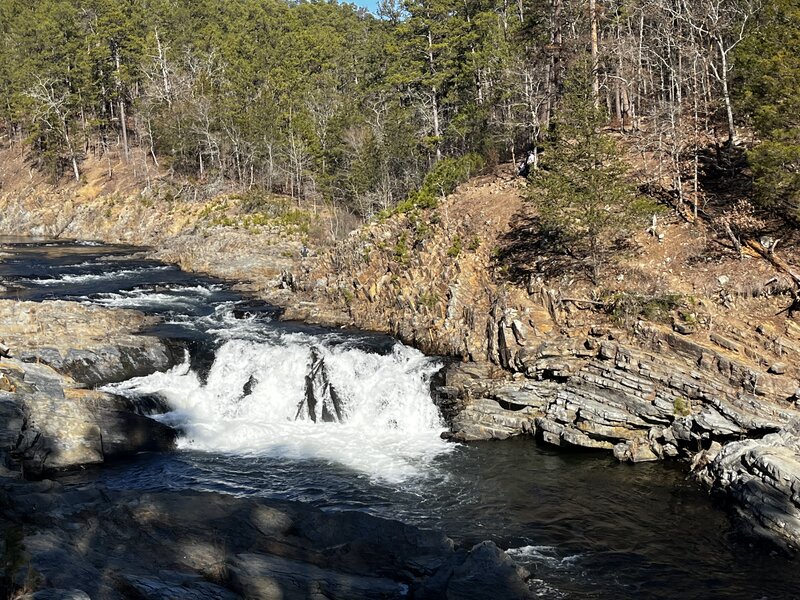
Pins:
x: 90, y: 344
x: 424, y: 277
x: 62, y: 426
x: 646, y: 394
x: 762, y: 477
x: 726, y: 401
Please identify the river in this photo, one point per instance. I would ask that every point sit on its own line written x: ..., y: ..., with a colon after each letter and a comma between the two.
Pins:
x: 343, y: 420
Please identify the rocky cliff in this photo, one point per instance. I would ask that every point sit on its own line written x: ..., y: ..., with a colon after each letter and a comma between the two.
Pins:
x: 54, y: 420
x: 683, y: 348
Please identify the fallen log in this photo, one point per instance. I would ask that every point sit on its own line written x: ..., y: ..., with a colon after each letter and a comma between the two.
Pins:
x: 776, y: 260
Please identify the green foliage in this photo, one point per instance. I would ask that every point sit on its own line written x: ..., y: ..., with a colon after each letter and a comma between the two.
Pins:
x: 348, y: 296
x: 401, y: 249
x: 429, y: 299
x: 255, y: 209
x: 455, y: 249
x: 441, y: 181
x: 682, y: 407
x: 626, y: 307
x: 294, y: 221
x: 769, y: 61
x: 422, y: 229
x: 259, y: 200
x: 325, y: 102
x: 450, y: 172
x: 585, y: 199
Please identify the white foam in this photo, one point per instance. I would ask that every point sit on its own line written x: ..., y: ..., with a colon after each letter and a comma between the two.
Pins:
x: 390, y: 430
x: 96, y: 276
x: 545, y: 554
x: 144, y: 298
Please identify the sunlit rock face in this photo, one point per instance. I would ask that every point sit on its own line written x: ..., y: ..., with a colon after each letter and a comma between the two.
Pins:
x: 57, y: 349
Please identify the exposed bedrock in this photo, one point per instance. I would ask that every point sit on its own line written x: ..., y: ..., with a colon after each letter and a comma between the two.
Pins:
x: 648, y: 395
x: 96, y: 543
x: 92, y: 345
x: 50, y: 420
x: 762, y: 476
x: 655, y: 396
x: 61, y: 426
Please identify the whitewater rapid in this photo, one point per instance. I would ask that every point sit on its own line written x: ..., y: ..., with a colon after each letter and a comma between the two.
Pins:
x: 253, y: 401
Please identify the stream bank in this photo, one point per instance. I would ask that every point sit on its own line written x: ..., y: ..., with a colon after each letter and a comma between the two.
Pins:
x: 714, y: 367
x: 88, y: 541
x: 582, y: 525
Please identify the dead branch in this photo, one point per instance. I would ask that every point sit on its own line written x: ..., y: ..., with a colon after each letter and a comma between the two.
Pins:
x: 584, y: 301
x: 776, y: 260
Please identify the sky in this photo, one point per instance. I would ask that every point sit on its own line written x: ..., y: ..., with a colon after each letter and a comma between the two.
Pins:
x: 370, y: 5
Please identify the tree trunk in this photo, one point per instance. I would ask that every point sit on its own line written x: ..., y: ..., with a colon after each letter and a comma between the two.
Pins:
x: 554, y: 66
x: 435, y: 100
x: 162, y: 60
x: 436, y: 127
x: 595, y: 51
x: 776, y: 260
x: 122, y: 119
x: 726, y: 95
x: 75, y: 169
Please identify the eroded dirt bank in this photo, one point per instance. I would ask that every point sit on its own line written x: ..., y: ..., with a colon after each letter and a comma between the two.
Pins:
x: 683, y: 348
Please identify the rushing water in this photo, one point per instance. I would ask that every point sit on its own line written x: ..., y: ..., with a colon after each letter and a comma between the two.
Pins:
x: 344, y: 420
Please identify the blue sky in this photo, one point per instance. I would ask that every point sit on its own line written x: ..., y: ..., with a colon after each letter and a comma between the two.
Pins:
x: 370, y: 5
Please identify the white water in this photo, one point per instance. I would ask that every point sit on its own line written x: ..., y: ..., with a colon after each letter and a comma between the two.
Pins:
x: 84, y: 278
x: 178, y: 298
x: 251, y: 399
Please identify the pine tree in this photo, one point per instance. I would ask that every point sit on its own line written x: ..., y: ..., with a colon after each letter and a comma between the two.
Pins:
x: 585, y: 199
x: 770, y: 64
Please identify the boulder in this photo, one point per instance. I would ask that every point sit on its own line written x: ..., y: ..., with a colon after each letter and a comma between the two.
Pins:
x: 170, y: 585
x: 264, y: 577
x: 184, y: 545
x: 762, y: 477
x: 56, y: 595
x: 487, y: 573
x: 11, y: 421
x: 91, y: 344
x: 61, y: 427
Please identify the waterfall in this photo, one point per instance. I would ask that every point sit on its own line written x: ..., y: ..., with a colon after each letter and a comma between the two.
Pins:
x: 306, y: 397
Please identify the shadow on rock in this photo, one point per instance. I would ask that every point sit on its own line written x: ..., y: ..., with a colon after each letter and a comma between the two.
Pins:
x: 194, y: 545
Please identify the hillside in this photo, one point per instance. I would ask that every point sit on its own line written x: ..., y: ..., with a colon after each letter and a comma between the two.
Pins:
x: 216, y: 231
x: 439, y: 224
x: 684, y: 348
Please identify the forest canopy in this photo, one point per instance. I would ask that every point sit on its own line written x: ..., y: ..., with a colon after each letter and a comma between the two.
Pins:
x: 325, y: 100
